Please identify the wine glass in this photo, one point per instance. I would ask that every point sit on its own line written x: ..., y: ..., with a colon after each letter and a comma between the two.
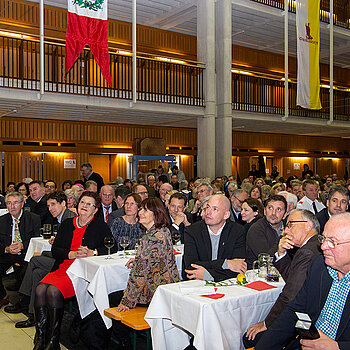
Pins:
x: 124, y: 241
x: 109, y: 243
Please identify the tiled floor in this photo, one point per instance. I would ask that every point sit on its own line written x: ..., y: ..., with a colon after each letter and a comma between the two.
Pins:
x: 14, y: 338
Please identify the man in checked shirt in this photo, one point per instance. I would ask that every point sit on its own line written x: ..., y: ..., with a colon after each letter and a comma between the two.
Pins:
x: 324, y: 296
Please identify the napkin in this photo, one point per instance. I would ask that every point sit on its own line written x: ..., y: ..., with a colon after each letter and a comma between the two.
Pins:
x: 259, y: 286
x: 214, y: 296
x: 188, y: 289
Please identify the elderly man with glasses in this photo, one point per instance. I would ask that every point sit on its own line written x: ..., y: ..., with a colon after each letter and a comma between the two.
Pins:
x: 237, y: 198
x: 17, y: 227
x: 324, y: 296
x: 296, y: 249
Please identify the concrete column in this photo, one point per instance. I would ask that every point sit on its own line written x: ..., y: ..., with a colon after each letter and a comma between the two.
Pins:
x: 206, y: 54
x: 223, y: 123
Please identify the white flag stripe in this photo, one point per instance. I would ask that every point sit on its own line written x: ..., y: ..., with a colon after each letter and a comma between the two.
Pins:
x: 89, y: 8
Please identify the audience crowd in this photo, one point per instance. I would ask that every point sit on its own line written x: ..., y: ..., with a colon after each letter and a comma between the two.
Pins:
x: 223, y: 223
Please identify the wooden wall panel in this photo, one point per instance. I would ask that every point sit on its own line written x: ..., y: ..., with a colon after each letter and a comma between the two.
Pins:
x: 82, y: 132
x: 119, y: 164
x: 234, y: 166
x: 331, y: 166
x: 187, y: 166
x: 13, y: 167
x: 100, y: 164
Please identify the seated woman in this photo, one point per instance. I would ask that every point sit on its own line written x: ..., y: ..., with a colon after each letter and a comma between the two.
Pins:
x: 255, y: 192
x: 72, y: 199
x: 252, y: 211
x: 153, y: 265
x: 77, y: 237
x: 128, y: 224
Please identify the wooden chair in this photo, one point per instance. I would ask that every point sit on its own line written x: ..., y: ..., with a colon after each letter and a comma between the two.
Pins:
x: 134, y: 319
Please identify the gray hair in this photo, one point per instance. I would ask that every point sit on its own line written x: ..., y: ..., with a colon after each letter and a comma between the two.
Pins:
x: 309, y: 216
x: 70, y: 192
x: 87, y: 165
x: 183, y: 185
x: 237, y: 192
x: 232, y: 186
x: 119, y: 180
x: 290, y: 197
x: 15, y: 194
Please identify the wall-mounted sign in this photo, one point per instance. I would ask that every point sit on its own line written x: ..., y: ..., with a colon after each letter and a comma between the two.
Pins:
x: 267, y: 171
x: 296, y: 166
x: 70, y: 164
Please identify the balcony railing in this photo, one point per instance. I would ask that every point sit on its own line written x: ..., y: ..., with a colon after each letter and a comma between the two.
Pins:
x: 341, y: 10
x: 157, y: 81
x: 262, y: 95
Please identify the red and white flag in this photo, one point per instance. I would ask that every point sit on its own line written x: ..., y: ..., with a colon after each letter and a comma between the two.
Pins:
x: 87, y: 25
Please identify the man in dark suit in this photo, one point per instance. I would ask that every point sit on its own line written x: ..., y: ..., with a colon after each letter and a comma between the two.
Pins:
x: 337, y: 203
x: 324, y: 296
x: 86, y: 170
x: 237, y: 198
x: 263, y: 236
x: 178, y: 217
x: 39, y: 266
x: 37, y: 193
x: 120, y: 194
x: 210, y: 243
x: 17, y: 227
x: 108, y: 204
x: 301, y: 238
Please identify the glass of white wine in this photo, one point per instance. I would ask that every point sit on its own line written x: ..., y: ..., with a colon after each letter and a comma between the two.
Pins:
x: 124, y: 241
x: 109, y: 243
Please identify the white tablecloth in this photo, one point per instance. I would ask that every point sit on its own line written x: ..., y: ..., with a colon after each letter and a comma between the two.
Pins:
x: 95, y: 277
x: 37, y: 245
x: 215, y: 324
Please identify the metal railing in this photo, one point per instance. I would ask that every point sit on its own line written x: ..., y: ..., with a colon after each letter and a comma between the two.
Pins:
x: 341, y: 10
x: 263, y: 95
x: 157, y: 81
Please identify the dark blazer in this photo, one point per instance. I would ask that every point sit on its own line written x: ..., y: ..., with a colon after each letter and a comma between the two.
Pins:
x: 67, y: 214
x: 99, y: 213
x: 261, y: 238
x: 235, y: 218
x: 198, y: 249
x: 97, y: 178
x: 29, y: 226
x: 42, y: 210
x: 293, y: 271
x: 322, y: 217
x: 310, y: 299
x: 93, y: 238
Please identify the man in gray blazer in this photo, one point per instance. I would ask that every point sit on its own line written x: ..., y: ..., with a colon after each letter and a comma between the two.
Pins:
x: 39, y: 266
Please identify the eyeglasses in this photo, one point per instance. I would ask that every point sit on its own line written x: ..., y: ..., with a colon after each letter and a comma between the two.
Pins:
x: 238, y: 199
x: 87, y: 204
x: 107, y: 194
x: 330, y: 242
x: 13, y: 203
x: 143, y: 193
x: 202, y: 191
x: 292, y: 222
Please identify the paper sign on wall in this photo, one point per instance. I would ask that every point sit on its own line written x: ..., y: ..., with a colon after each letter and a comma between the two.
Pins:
x: 296, y: 166
x: 70, y: 164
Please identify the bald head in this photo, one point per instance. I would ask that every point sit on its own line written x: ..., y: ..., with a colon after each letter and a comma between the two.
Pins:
x: 217, y: 212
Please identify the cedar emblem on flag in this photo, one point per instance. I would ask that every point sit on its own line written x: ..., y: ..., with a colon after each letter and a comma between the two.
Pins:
x: 87, y: 25
x: 308, y: 49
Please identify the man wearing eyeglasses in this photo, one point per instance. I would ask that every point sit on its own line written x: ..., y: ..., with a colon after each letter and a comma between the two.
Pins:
x: 300, y: 238
x: 237, y: 198
x: 337, y: 203
x: 324, y: 296
x: 17, y: 227
x: 108, y: 205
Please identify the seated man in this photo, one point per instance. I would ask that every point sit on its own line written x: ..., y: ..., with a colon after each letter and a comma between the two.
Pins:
x: 178, y: 216
x: 301, y: 232
x: 39, y: 266
x: 17, y: 227
x: 337, y: 203
x: 324, y: 296
x: 310, y: 200
x: 263, y: 236
x: 209, y: 244
x: 237, y: 198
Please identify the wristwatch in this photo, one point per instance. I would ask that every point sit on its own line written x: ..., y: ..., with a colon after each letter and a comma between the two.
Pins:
x: 95, y: 252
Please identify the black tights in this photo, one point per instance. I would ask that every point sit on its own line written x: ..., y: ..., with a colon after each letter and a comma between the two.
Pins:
x: 48, y: 295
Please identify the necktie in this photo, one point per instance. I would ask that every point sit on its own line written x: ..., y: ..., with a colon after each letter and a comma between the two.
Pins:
x: 17, y: 233
x: 107, y: 213
x: 314, y: 206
